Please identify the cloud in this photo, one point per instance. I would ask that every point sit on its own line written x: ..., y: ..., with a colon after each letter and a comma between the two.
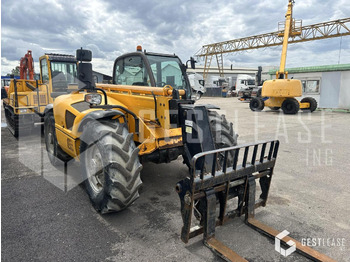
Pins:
x: 96, y: 51
x: 110, y: 28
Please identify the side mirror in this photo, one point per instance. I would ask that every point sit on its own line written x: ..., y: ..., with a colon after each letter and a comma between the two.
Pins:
x: 85, y: 69
x: 83, y: 55
x: 193, y: 63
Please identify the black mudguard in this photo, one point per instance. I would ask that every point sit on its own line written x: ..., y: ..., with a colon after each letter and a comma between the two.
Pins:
x: 99, y: 114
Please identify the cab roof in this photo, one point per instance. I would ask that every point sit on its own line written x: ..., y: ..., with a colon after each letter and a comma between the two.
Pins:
x: 61, y: 57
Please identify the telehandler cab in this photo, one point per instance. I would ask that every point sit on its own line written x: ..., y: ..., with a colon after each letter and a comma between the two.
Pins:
x: 147, y: 115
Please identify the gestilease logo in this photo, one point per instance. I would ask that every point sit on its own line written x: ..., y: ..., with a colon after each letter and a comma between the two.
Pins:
x: 279, y: 249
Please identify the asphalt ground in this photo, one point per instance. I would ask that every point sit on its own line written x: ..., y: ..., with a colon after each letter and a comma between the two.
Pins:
x: 46, y: 216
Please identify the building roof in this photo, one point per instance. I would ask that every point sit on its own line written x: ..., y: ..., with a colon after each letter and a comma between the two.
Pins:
x: 93, y: 71
x: 308, y: 69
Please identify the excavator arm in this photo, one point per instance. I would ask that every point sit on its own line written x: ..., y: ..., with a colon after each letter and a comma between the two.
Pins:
x: 27, y: 66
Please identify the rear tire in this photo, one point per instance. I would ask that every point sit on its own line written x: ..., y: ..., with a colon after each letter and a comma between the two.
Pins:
x: 110, y: 165
x: 290, y: 106
x: 312, y: 101
x: 256, y: 104
x: 55, y: 153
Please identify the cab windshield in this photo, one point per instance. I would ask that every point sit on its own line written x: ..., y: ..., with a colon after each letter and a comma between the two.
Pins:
x: 168, y: 71
x: 66, y: 70
x: 251, y: 82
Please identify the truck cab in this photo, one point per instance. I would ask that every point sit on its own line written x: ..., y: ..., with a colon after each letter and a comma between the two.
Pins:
x: 197, y: 85
x: 246, y: 87
x: 245, y: 82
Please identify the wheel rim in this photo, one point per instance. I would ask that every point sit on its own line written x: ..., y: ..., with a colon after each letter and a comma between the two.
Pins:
x: 289, y: 107
x: 94, y: 169
x: 255, y: 104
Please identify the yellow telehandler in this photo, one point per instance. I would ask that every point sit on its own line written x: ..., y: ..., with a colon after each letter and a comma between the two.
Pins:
x: 147, y: 115
x: 27, y: 99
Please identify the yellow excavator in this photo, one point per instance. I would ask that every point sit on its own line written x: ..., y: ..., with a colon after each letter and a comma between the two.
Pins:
x: 281, y: 92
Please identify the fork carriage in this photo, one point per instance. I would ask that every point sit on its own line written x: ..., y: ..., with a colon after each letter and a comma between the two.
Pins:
x: 223, y: 174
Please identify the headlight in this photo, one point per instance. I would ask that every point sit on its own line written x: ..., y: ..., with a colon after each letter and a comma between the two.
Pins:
x: 22, y: 111
x: 93, y: 99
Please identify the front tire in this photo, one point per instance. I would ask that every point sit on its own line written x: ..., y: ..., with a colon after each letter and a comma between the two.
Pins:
x: 110, y: 165
x: 290, y: 106
x: 222, y: 130
x: 256, y: 104
x: 223, y: 135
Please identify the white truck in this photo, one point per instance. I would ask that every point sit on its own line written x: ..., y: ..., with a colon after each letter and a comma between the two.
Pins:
x: 246, y: 87
x: 197, y: 84
x: 244, y: 82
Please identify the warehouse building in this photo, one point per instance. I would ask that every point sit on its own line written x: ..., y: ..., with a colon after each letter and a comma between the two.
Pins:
x: 101, y: 78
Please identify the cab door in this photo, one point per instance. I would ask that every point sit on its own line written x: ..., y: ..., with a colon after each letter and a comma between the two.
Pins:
x: 45, y: 77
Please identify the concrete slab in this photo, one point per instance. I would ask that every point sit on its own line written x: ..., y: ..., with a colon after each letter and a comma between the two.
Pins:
x: 309, y: 197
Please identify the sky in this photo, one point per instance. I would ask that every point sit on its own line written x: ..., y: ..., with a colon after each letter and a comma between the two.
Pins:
x: 113, y: 27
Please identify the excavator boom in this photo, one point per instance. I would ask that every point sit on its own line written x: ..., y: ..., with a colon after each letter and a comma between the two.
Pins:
x: 27, y: 66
